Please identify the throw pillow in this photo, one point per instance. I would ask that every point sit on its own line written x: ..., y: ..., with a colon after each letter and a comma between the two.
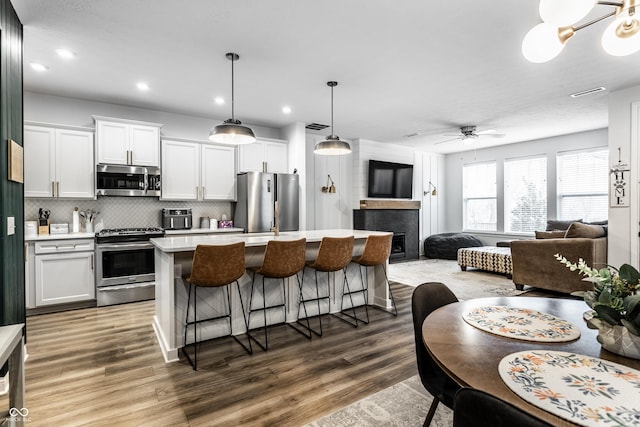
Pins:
x: 556, y: 224
x: 557, y: 234
x: 578, y: 229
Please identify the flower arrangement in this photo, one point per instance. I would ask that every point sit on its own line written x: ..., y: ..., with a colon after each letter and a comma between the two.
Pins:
x: 616, y: 293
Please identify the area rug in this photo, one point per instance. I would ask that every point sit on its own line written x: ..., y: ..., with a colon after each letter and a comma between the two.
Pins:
x: 464, y: 284
x: 403, y: 404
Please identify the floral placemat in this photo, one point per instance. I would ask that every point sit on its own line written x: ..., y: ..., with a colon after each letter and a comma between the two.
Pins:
x: 585, y: 390
x: 521, y: 323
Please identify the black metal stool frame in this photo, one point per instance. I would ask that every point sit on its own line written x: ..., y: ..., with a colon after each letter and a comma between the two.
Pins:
x: 195, y: 322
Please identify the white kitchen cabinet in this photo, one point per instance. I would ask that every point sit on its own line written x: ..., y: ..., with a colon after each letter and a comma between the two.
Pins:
x: 58, y: 162
x: 272, y: 151
x: 197, y: 171
x: 127, y: 142
x: 64, y: 271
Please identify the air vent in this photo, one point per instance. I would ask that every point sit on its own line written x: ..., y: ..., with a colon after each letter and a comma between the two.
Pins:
x: 316, y: 126
x: 411, y: 135
x: 587, y: 92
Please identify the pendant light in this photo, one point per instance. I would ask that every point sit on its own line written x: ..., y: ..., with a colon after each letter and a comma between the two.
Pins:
x: 232, y: 132
x: 333, y: 145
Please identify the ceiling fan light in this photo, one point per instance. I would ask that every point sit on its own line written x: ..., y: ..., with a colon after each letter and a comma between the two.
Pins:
x: 622, y: 36
x: 332, y: 146
x: 542, y: 43
x: 232, y: 132
x: 560, y: 13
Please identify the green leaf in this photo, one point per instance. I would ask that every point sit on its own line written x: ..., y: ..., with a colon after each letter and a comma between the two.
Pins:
x: 629, y: 273
x: 590, y: 298
x: 631, y: 327
x: 631, y: 306
x: 608, y: 314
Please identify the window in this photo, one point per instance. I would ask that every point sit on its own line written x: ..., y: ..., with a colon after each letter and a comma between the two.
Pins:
x: 583, y: 185
x: 479, y: 196
x: 525, y: 194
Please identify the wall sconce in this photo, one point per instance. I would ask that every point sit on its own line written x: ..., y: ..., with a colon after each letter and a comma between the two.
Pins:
x: 329, y: 188
x: 434, y: 192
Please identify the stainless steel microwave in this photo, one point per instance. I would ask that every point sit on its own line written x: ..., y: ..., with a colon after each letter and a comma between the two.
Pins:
x: 120, y: 180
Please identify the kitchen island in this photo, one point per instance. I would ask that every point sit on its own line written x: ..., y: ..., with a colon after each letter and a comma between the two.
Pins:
x: 173, y: 258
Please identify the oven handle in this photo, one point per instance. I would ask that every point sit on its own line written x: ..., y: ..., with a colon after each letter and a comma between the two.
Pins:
x: 124, y: 245
x: 116, y: 288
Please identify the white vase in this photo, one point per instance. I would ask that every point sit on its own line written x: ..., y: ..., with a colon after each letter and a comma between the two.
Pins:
x: 616, y: 339
x: 88, y: 227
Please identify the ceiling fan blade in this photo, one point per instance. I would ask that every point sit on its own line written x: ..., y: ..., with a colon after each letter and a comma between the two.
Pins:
x: 448, y: 140
x: 486, y: 131
x: 493, y: 135
x: 452, y: 134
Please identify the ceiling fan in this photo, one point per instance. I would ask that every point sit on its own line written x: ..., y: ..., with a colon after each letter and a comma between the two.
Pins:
x: 468, y: 134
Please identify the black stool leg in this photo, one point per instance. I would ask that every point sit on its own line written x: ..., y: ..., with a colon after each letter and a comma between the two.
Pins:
x: 249, y: 348
x: 302, y: 302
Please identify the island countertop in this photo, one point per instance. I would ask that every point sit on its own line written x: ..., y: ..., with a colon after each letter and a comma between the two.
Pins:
x: 189, y: 243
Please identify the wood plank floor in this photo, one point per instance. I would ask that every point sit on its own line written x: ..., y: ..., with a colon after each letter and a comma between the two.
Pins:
x: 103, y: 367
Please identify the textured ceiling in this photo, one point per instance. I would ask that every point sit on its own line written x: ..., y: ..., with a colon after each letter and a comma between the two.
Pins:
x: 403, y: 67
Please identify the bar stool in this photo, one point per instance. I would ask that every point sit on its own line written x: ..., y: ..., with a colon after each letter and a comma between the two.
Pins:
x: 334, y: 254
x: 214, y: 266
x: 376, y: 252
x: 282, y: 259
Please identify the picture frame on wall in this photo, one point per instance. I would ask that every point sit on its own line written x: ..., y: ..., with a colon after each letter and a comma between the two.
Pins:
x: 16, y: 162
x: 619, y: 187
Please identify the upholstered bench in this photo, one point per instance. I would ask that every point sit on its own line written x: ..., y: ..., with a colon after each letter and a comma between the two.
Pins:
x: 488, y: 258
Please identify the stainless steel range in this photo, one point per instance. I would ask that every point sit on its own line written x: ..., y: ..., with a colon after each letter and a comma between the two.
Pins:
x: 125, y: 268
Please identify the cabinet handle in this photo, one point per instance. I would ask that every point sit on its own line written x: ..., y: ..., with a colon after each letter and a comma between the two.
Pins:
x: 58, y: 189
x: 53, y: 189
x: 91, y: 261
x: 197, y: 192
x: 204, y: 192
x: 25, y: 253
x: 128, y: 157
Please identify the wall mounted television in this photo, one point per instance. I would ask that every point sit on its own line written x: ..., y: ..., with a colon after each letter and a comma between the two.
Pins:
x: 390, y: 180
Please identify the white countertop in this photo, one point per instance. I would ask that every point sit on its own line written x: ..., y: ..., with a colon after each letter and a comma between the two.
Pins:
x: 204, y: 231
x: 66, y: 236
x: 189, y: 243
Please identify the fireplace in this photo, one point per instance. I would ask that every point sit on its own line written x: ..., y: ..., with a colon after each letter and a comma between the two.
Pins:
x: 397, y: 246
x: 403, y: 223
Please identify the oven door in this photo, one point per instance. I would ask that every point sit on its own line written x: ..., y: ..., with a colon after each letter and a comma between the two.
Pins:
x: 124, y: 263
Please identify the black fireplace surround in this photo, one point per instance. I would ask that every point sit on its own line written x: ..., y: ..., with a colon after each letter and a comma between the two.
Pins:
x: 403, y: 223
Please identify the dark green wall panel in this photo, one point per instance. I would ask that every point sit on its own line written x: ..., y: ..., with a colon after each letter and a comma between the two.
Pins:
x: 12, y: 302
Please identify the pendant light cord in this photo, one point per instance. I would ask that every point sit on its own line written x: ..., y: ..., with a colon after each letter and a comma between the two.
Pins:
x: 233, y: 117
x: 332, y: 111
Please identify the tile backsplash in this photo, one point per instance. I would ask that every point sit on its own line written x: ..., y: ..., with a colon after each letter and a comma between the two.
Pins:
x: 123, y: 212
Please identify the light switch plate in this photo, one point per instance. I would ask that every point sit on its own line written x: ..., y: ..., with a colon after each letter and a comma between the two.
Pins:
x: 11, y: 225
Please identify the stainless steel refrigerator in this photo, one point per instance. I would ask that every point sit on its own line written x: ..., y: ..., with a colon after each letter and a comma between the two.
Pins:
x: 257, y: 194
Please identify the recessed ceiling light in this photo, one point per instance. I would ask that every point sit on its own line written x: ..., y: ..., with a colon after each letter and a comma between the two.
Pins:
x: 65, y: 54
x: 286, y: 109
x: 219, y: 100
x: 38, y: 67
x: 142, y: 86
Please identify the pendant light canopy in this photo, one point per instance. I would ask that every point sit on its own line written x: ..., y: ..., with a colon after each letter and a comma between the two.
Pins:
x: 232, y: 132
x: 333, y: 145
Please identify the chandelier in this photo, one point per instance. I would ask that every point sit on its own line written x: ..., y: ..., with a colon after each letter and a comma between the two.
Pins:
x: 560, y: 19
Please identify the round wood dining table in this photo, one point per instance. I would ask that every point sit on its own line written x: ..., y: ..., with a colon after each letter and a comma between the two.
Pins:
x: 471, y: 356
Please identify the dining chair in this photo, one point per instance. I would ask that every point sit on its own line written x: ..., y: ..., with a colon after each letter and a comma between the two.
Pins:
x: 377, y: 249
x: 426, y: 298
x: 282, y: 259
x: 476, y: 408
x: 214, y: 266
x: 334, y: 254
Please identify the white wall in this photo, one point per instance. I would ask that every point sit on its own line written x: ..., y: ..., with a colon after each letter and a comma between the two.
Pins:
x: 549, y: 146
x: 623, y: 221
x: 328, y: 210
